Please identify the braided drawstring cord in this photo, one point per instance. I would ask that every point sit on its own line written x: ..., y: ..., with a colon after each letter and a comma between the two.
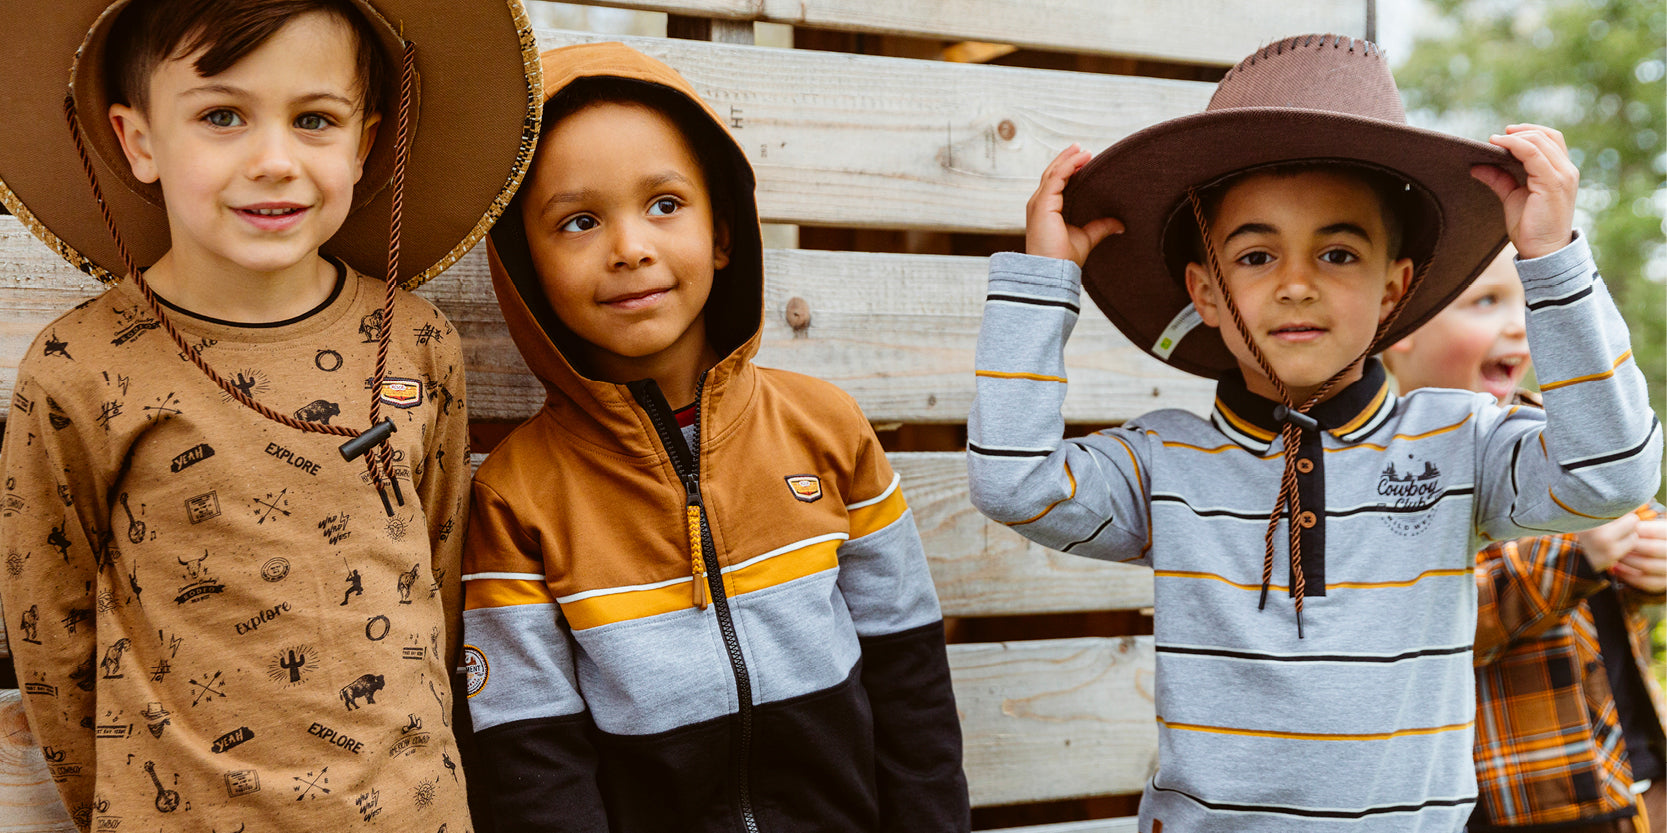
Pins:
x: 378, y: 463
x: 1295, y: 420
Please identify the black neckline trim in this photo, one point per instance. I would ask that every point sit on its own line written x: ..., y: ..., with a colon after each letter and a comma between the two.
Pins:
x: 1341, y: 409
x: 335, y: 292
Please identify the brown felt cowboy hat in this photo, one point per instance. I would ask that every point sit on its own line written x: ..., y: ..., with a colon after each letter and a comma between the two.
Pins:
x: 473, y: 121
x: 1321, y: 98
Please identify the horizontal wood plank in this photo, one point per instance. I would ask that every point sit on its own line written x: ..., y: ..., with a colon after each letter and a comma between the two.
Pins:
x: 1216, y: 32
x: 857, y: 140
x: 896, y: 331
x: 29, y: 802
x: 1055, y: 719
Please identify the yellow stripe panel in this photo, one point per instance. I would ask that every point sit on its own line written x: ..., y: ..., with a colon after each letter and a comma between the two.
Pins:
x: 1592, y: 378
x: 1034, y: 377
x: 505, y: 592
x: 1375, y: 447
x: 1220, y: 449
x: 1262, y: 733
x: 781, y: 569
x: 1353, y: 585
x: 597, y: 611
x: 1366, y: 415
x: 877, y: 516
x: 1042, y: 514
x: 1573, y: 512
x: 1240, y: 423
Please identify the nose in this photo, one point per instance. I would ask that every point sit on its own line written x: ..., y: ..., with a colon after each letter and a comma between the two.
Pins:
x: 1516, y: 322
x: 272, y: 156
x: 631, y: 248
x: 1296, y: 283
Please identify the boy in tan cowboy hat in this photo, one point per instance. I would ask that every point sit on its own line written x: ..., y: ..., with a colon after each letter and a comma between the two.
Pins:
x: 1275, y: 242
x: 236, y: 628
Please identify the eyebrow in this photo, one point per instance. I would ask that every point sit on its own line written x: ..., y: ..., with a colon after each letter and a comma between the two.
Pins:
x: 648, y: 183
x: 1335, y: 228
x: 228, y: 90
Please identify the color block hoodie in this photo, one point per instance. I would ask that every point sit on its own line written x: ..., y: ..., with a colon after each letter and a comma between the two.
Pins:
x: 727, y: 627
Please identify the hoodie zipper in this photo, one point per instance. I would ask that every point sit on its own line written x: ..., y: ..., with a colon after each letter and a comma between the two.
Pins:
x: 705, y: 570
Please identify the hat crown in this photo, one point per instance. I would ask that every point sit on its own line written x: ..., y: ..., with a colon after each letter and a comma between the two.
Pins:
x: 1314, y: 72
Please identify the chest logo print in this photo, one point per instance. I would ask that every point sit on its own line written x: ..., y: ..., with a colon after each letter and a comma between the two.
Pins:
x: 1409, y: 493
x: 402, y: 393
x: 805, y: 487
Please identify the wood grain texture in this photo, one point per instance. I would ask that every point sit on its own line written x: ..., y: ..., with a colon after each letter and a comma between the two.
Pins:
x: 1218, y: 32
x: 982, y: 568
x: 856, y: 140
x: 29, y: 802
x: 1056, y: 718
x: 896, y: 331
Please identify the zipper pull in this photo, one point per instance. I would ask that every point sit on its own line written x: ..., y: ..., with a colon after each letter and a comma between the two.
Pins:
x: 700, y: 593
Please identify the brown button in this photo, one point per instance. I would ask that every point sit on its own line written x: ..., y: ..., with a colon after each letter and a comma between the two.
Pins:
x: 1306, y: 520
x: 1305, y: 465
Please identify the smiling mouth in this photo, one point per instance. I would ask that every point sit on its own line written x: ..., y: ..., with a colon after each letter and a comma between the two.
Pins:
x: 1502, y: 370
x: 1298, y: 330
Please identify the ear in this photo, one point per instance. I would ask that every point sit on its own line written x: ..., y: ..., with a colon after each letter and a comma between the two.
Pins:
x: 367, y: 138
x: 1202, y: 290
x: 720, y: 243
x: 133, y: 131
x: 1395, y: 286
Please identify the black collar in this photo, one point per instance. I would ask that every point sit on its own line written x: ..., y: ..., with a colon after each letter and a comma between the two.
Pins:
x: 1350, y: 414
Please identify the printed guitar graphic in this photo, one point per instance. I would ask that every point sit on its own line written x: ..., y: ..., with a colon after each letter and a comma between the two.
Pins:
x: 167, y: 800
x: 135, y: 527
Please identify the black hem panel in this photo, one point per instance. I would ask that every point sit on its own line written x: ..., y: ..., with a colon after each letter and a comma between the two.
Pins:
x: 540, y: 774
x: 917, y: 732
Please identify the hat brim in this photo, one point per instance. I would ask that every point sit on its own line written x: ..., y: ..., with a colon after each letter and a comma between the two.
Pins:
x: 471, y: 139
x: 1143, y: 181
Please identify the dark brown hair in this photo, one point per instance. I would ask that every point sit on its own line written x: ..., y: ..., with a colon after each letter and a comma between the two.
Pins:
x: 1391, y: 192
x: 150, y: 32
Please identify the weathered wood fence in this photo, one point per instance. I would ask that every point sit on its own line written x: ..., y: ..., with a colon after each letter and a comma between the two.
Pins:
x: 926, y: 155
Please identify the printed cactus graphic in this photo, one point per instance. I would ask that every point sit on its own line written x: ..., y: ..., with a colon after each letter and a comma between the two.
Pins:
x: 293, y: 664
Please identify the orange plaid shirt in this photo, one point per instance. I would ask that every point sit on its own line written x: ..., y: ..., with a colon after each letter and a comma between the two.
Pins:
x: 1549, y: 744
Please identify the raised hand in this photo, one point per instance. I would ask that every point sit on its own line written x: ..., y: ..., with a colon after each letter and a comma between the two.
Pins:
x: 1539, y: 214
x: 1046, y: 232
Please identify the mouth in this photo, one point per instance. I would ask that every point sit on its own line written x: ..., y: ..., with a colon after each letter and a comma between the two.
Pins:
x: 272, y: 216
x: 636, y: 299
x: 1298, y: 332
x: 1500, y: 375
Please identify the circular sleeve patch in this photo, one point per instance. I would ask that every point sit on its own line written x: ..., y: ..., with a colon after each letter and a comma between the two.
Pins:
x: 475, y: 670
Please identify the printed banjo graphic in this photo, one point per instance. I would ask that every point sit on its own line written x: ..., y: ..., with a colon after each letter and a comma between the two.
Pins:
x: 135, y: 527
x: 167, y: 800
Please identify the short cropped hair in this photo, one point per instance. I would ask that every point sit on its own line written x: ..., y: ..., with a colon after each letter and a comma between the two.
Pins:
x: 1392, y: 193
x: 691, y: 121
x: 150, y: 32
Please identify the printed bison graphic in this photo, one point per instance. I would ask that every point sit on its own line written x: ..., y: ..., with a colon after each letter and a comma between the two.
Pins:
x: 365, y: 687
x: 318, y: 410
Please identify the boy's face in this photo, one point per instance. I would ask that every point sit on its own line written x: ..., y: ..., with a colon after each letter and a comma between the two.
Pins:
x: 1478, y: 342
x: 1306, y: 259
x: 619, y: 223
x: 256, y: 164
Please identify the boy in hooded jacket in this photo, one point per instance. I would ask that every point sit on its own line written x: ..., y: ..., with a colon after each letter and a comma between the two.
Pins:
x: 695, y: 597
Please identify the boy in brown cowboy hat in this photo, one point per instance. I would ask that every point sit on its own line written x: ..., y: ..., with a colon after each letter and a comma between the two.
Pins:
x: 191, y: 539
x: 1274, y: 242
x: 696, y: 601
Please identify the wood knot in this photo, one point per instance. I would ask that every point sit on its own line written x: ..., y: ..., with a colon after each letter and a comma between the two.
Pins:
x: 1007, y: 130
x: 798, y: 314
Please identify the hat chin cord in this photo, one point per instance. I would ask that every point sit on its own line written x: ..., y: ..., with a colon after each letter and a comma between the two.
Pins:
x: 372, y: 442
x: 1295, y: 418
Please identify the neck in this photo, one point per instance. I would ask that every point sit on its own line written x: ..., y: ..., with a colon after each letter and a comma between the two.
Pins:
x: 1259, y: 384
x: 230, y: 293
x: 678, y: 376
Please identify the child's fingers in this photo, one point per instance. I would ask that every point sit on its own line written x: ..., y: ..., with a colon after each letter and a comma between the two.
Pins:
x: 1554, y: 133
x: 1098, y: 230
x: 1541, y: 156
x: 1500, y: 181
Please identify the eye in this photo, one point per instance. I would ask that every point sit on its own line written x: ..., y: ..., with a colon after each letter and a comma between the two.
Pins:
x: 223, y: 118
x: 1257, y: 258
x: 313, y: 121
x: 1338, y: 257
x: 1488, y: 300
x: 664, y: 206
x: 578, y: 223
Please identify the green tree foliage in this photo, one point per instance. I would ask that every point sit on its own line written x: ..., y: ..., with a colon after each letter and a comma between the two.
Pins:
x: 1593, y: 69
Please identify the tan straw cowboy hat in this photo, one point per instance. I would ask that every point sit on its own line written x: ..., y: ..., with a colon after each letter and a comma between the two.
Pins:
x: 1320, y: 98
x: 473, y: 121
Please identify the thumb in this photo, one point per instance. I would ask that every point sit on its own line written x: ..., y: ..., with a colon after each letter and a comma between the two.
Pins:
x: 1100, y: 229
x: 1496, y: 178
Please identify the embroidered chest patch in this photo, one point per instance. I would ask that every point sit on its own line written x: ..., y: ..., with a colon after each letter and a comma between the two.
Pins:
x: 805, y: 487
x: 402, y: 393
x: 1408, y: 493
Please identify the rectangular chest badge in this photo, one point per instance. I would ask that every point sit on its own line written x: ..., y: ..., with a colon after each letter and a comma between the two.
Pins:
x: 402, y: 393
x: 806, y: 487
